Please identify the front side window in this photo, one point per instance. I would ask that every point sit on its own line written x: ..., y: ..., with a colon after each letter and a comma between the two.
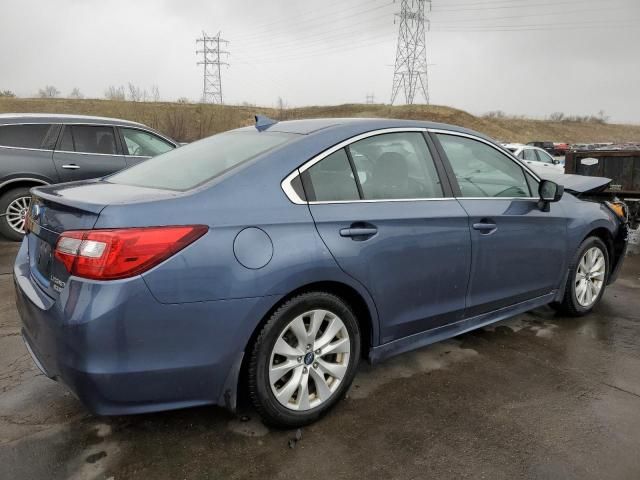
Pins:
x: 23, y: 136
x: 544, y: 156
x: 88, y: 139
x: 144, y: 144
x: 481, y: 170
x: 187, y: 167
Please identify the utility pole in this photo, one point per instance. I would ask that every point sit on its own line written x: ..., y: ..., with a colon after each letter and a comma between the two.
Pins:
x: 371, y: 99
x: 410, y: 72
x: 211, y: 60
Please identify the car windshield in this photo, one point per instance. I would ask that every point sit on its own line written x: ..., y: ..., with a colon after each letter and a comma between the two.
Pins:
x: 192, y: 165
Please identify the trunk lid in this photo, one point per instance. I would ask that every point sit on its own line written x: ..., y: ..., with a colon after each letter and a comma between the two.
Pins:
x: 72, y: 206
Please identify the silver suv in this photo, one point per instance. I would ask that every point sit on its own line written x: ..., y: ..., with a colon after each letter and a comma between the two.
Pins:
x: 40, y: 149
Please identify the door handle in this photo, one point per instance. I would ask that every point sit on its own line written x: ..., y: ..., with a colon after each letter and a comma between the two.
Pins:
x: 71, y: 166
x: 358, y: 232
x: 485, y: 226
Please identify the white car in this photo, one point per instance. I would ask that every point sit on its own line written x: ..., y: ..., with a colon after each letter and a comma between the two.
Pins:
x: 538, y: 159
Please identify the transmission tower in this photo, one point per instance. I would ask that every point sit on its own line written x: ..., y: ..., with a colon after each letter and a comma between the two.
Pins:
x: 410, y: 72
x: 212, y: 61
x: 371, y: 99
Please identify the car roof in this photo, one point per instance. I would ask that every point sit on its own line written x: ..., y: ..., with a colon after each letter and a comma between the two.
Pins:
x: 311, y: 126
x: 13, y: 118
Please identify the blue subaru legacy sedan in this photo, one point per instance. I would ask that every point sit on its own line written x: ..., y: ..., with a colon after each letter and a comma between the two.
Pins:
x: 271, y: 259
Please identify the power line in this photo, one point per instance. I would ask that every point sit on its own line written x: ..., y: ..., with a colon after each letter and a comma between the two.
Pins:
x: 313, y: 17
x: 332, y: 21
x: 211, y: 61
x: 410, y: 72
x: 502, y: 7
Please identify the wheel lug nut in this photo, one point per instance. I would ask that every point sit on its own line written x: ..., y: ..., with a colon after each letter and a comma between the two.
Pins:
x: 304, y: 370
x: 315, y: 365
x: 318, y: 352
x: 308, y: 347
x: 299, y: 359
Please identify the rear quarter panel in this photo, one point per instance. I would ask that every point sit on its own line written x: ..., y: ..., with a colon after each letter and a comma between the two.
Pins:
x: 26, y: 164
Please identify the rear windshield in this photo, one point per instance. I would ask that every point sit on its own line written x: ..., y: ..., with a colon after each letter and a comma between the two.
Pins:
x: 192, y: 165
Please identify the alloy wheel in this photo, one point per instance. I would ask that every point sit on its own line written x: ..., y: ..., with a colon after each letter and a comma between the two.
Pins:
x: 309, y: 360
x: 590, y: 276
x: 16, y: 213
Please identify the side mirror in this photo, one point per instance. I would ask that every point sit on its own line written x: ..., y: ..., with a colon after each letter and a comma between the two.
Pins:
x: 549, y: 192
x: 556, y: 161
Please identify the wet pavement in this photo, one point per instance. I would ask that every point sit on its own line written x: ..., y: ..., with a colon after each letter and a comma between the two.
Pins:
x: 538, y: 396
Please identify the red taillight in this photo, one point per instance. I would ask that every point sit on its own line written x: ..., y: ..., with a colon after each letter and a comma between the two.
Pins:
x: 122, y: 253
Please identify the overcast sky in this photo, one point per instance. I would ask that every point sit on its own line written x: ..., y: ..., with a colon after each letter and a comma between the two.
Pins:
x: 530, y: 57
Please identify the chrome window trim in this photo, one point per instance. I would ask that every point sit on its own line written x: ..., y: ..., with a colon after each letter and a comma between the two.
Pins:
x: 288, y: 189
x: 27, y: 148
x: 295, y: 198
x: 326, y: 202
x: 89, y: 153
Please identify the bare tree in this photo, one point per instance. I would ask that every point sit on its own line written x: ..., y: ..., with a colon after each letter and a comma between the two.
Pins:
x: 556, y: 117
x: 7, y: 93
x: 115, y: 93
x: 48, y: 91
x: 135, y: 93
x: 183, y: 100
x: 281, y: 106
x: 76, y: 93
x: 602, y: 117
x: 155, y: 93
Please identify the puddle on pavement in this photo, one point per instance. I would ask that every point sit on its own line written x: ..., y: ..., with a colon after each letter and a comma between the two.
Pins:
x: 249, y: 427
x: 435, y: 357
x: 539, y: 325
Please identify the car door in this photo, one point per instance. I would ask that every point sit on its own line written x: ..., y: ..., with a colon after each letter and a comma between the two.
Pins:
x: 381, y: 206
x: 548, y: 161
x: 140, y: 145
x: 518, y: 250
x: 87, y: 151
x: 530, y: 158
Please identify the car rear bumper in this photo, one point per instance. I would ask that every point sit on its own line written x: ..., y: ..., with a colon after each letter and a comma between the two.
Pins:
x: 120, y: 351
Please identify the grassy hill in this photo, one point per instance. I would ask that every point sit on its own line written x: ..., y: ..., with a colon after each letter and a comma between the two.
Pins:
x: 188, y: 122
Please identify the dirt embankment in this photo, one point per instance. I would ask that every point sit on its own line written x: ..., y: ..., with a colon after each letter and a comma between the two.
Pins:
x: 188, y: 122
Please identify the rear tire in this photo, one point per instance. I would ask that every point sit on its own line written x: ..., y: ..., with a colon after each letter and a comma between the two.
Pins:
x: 587, y: 280
x: 304, y: 359
x: 14, y: 205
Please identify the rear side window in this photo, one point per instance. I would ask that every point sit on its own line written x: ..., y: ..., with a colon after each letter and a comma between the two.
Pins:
x: 390, y: 166
x: 89, y: 139
x: 395, y: 166
x: 23, y: 136
x: 331, y: 179
x: 144, y: 144
x: 187, y: 167
x: 530, y: 154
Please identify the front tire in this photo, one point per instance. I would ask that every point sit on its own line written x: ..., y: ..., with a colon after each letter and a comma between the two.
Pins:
x: 587, y: 279
x: 304, y: 359
x: 14, y: 206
